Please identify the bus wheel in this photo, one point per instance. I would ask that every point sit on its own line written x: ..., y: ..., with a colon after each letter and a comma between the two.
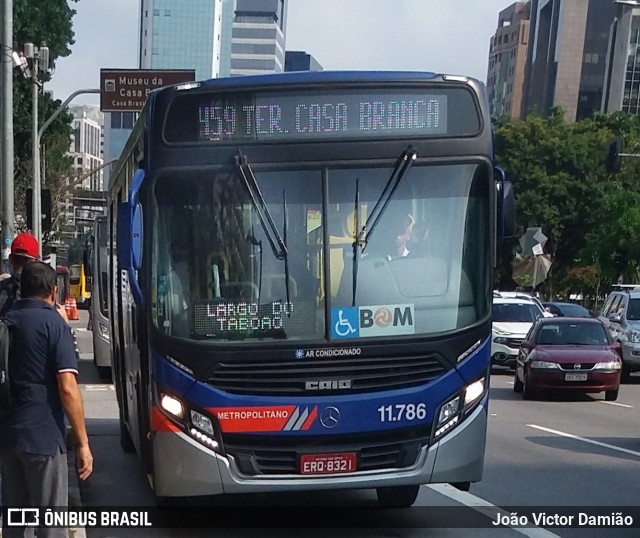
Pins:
x: 397, y: 496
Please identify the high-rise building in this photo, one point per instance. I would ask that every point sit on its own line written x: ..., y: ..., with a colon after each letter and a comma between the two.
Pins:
x: 83, y: 196
x: 182, y: 34
x: 507, y: 61
x: 567, y: 56
x: 623, y: 62
x: 87, y: 146
x: 296, y: 60
x: 258, y: 39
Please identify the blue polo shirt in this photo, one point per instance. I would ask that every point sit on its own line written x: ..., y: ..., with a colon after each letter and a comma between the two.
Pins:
x: 42, y: 346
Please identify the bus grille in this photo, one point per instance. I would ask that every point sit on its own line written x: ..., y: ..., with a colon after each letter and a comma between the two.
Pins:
x: 269, y: 456
x: 364, y: 374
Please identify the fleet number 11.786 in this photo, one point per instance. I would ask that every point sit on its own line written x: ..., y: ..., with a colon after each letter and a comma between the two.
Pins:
x: 398, y: 412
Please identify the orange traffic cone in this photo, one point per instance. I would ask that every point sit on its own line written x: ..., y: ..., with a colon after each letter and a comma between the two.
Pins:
x: 73, y: 314
x: 67, y: 307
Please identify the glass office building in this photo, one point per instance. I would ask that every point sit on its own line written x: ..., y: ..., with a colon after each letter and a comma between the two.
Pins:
x: 181, y: 34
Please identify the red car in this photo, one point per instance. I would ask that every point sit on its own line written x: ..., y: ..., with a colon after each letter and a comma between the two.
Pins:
x: 568, y: 354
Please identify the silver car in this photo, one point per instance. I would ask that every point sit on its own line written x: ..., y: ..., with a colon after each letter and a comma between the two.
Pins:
x: 621, y: 316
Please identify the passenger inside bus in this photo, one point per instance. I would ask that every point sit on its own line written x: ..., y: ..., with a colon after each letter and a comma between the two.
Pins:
x: 179, y: 294
x: 395, y: 237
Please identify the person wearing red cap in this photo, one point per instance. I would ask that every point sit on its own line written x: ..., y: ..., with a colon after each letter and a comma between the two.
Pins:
x: 24, y: 249
x: 25, y: 246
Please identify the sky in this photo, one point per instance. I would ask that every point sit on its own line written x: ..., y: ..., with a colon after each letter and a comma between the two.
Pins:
x: 447, y: 36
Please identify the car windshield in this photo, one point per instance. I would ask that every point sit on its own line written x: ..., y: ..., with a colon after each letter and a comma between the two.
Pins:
x: 515, y: 312
x: 572, y: 334
x: 633, y: 311
x: 216, y: 274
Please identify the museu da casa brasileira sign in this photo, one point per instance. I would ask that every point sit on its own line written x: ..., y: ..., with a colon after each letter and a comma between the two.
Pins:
x: 126, y: 90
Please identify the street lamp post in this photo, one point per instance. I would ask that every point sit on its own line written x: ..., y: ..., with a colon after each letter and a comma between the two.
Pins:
x: 6, y: 136
x: 38, y: 58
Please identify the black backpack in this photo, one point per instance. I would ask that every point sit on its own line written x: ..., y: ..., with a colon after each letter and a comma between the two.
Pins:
x: 5, y: 385
x: 9, y: 294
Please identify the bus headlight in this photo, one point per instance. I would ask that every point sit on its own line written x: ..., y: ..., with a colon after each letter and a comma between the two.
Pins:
x: 201, y: 422
x: 448, y: 416
x: 473, y: 392
x: 202, y: 430
x: 452, y: 411
x: 172, y: 405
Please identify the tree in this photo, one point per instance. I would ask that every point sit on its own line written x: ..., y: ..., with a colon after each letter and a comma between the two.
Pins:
x: 560, y: 181
x: 36, y: 21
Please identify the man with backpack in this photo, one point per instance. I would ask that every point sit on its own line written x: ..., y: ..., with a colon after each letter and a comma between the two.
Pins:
x: 42, y: 372
x: 24, y: 249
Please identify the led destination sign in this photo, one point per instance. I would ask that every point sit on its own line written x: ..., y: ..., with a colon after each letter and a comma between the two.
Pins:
x: 329, y: 115
x: 241, y: 319
x: 337, y: 116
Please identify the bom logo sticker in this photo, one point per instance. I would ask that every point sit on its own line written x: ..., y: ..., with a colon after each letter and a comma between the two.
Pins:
x: 386, y: 320
x: 378, y: 320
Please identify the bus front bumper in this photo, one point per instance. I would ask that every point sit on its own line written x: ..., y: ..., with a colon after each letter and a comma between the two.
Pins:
x: 184, y: 468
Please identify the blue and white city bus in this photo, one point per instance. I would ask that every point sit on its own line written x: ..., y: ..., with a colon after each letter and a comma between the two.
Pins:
x: 301, y: 286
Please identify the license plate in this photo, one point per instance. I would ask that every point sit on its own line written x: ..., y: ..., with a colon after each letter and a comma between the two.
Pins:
x: 575, y: 377
x: 344, y: 462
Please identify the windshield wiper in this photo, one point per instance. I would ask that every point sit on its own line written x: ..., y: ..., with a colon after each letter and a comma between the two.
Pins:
x: 361, y: 235
x: 266, y: 220
x: 404, y: 162
x: 286, y: 258
x: 356, y: 244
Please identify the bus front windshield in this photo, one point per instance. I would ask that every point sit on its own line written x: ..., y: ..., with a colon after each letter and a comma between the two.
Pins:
x: 225, y: 271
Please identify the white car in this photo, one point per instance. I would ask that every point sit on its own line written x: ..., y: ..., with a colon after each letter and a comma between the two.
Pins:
x: 525, y: 295
x: 512, y: 319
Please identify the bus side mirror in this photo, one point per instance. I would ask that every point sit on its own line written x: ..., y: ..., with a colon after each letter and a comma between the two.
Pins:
x: 506, y: 205
x: 129, y: 236
x: 136, y: 237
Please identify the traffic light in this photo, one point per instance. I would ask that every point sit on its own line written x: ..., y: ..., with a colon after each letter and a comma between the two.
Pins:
x: 45, y: 199
x: 612, y: 160
x: 45, y: 209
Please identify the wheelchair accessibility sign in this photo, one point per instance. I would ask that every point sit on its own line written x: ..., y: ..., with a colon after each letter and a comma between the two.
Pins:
x: 377, y: 320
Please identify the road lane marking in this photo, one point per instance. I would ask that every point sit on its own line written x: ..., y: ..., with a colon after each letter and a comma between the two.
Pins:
x: 98, y: 387
x: 486, y: 508
x: 585, y: 440
x: 616, y: 403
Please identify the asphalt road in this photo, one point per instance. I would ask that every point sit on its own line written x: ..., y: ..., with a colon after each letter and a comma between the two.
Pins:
x: 571, y: 451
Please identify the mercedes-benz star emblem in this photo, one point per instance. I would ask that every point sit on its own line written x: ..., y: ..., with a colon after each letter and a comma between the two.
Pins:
x: 330, y: 417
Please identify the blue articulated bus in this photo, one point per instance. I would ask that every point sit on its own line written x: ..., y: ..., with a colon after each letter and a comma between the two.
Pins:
x: 301, y: 274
